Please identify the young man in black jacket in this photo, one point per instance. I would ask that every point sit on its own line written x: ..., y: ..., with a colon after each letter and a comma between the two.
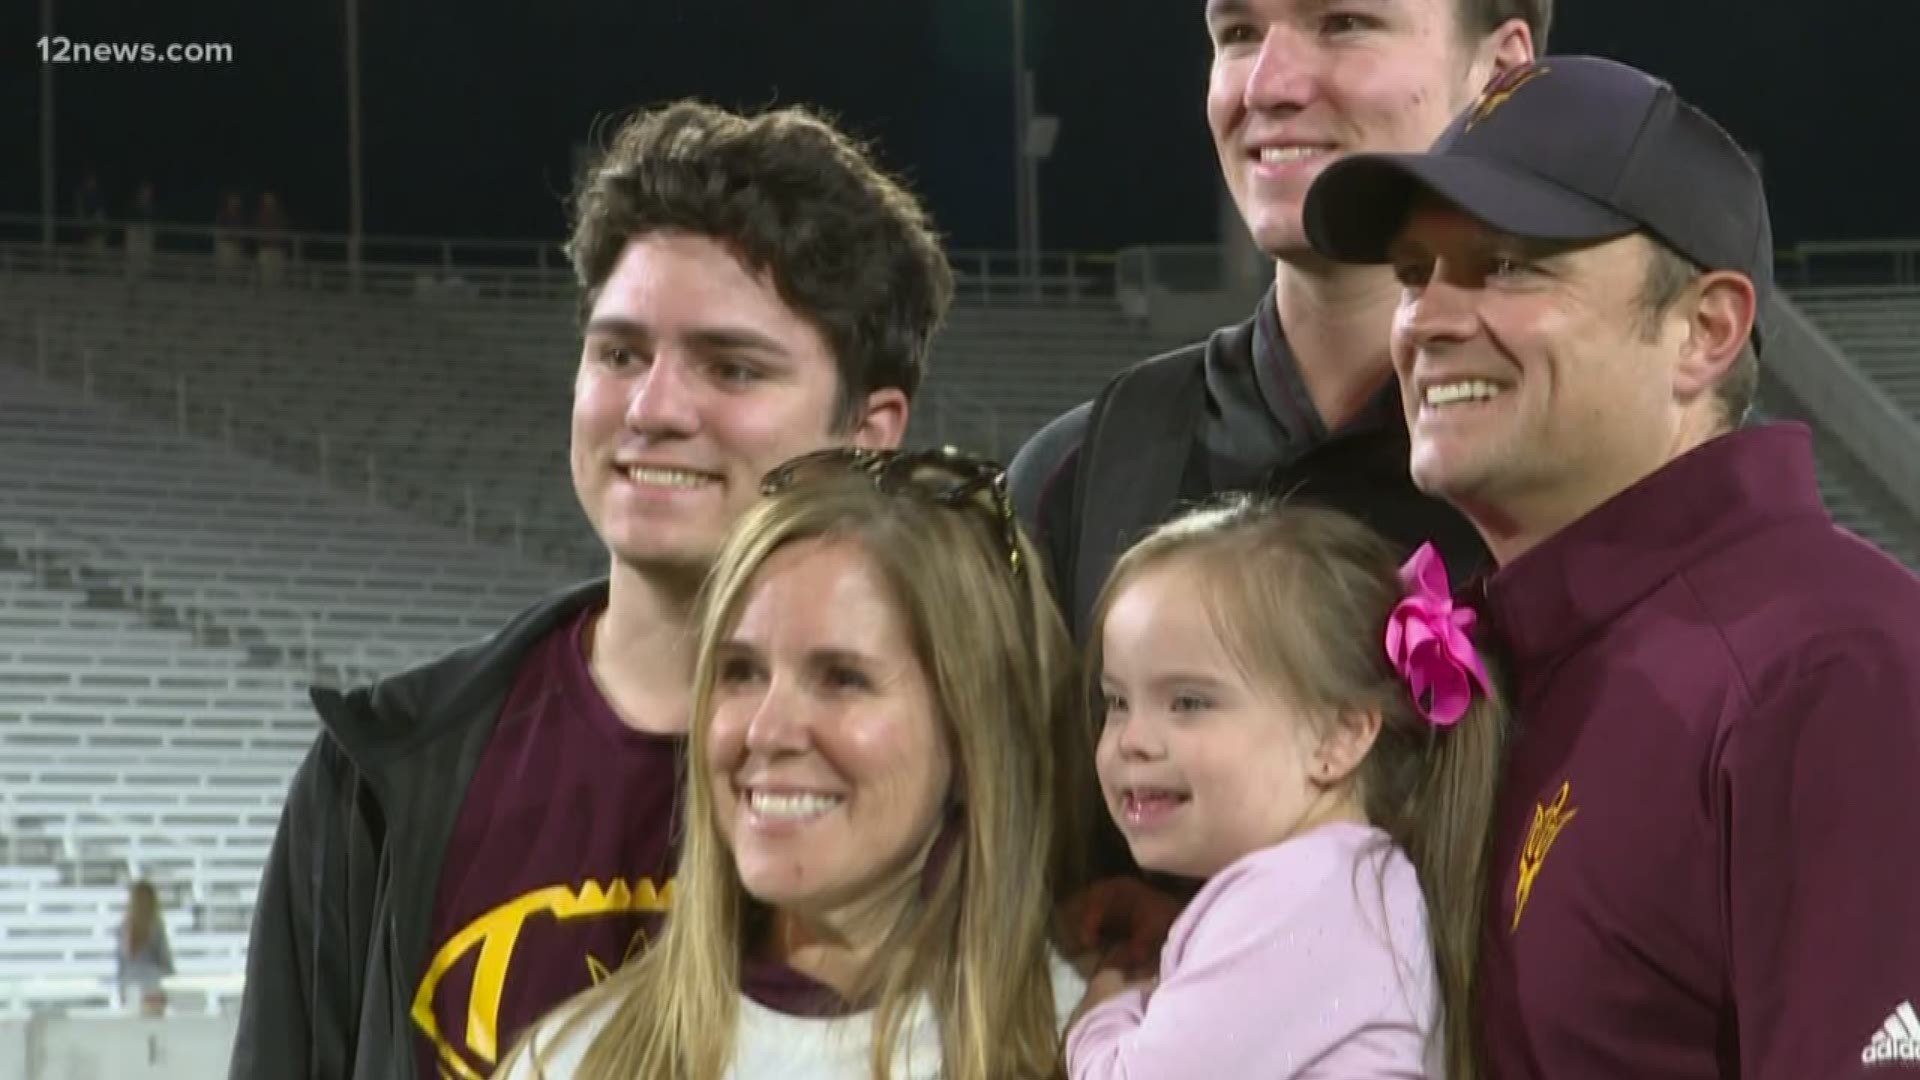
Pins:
x: 472, y: 842
x: 1299, y: 399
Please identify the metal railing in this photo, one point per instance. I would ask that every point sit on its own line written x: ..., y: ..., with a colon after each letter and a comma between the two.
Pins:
x: 197, y: 408
x: 945, y: 415
x: 172, y: 237
x: 1189, y: 288
x: 1850, y: 263
x: 541, y: 268
x: 419, y: 264
x: 1173, y: 267
x: 286, y: 271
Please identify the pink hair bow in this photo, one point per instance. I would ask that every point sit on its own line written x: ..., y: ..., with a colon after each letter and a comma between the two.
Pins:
x: 1428, y: 644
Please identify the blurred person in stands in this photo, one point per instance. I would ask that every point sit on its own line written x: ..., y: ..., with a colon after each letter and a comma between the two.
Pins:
x: 141, y: 217
x: 229, y: 236
x: 1702, y: 861
x: 270, y: 239
x: 142, y: 958
x: 473, y: 842
x: 90, y: 209
x: 1299, y: 399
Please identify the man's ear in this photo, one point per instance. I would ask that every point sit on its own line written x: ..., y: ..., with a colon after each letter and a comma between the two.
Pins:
x: 1509, y: 47
x: 883, y: 420
x: 1719, y: 312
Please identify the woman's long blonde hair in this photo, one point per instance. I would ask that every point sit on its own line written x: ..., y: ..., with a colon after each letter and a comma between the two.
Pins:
x: 139, y: 925
x: 1300, y: 598
x: 976, y: 942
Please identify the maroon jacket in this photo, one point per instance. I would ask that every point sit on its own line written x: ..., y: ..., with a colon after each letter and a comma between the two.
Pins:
x: 1707, y: 848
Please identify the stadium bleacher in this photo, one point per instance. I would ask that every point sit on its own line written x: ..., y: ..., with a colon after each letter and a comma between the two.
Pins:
x: 1856, y: 499
x: 286, y: 568
x: 1879, y: 329
x: 430, y: 407
x: 164, y: 604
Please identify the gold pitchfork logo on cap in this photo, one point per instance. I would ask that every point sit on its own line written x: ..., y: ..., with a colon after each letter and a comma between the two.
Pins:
x: 1502, y: 89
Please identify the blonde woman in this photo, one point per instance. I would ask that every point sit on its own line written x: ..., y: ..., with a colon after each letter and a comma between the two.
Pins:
x: 142, y: 958
x: 883, y: 797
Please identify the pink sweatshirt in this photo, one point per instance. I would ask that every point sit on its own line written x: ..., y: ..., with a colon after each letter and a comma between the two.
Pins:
x: 1305, y: 959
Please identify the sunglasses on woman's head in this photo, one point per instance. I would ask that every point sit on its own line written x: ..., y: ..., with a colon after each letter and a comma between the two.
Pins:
x: 946, y: 476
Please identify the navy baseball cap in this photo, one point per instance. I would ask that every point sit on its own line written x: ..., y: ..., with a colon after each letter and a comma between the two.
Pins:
x: 1568, y: 148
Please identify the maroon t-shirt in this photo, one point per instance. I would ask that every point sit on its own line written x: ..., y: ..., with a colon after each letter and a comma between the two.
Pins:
x: 559, y: 868
x: 1704, y: 865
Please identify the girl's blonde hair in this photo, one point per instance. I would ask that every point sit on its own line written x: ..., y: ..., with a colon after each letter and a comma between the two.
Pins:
x: 976, y: 940
x: 1300, y: 599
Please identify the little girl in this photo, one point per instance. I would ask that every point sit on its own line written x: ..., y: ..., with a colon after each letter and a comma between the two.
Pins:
x: 1305, y: 725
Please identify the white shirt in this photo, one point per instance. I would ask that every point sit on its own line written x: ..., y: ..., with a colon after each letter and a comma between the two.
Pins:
x: 773, y: 1045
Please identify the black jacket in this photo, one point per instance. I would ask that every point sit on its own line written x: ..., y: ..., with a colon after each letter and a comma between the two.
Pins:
x: 345, y: 908
x: 1227, y: 414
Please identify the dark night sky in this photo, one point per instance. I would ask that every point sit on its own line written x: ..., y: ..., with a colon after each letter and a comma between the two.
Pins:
x: 472, y: 108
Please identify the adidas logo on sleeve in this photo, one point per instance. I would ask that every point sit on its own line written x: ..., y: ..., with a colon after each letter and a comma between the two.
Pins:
x: 1898, y: 1040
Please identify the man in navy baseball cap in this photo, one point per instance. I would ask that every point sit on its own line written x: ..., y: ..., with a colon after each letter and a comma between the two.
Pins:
x: 1717, y: 691
x: 1569, y: 149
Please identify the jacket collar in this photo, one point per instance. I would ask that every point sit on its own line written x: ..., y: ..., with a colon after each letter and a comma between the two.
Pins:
x: 386, y: 721
x: 1590, y: 573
